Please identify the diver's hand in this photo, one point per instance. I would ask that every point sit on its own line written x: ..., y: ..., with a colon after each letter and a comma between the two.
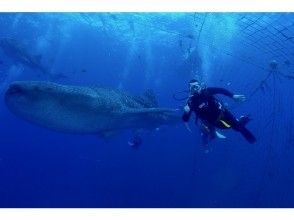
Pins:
x: 187, y: 108
x: 239, y: 98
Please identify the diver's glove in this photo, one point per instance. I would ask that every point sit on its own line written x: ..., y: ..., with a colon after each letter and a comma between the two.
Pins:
x: 239, y: 98
x: 187, y: 108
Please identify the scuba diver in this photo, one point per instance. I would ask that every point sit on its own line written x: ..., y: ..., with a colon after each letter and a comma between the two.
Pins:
x: 213, y: 114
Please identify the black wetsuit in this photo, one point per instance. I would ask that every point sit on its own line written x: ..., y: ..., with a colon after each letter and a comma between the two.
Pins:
x: 212, y: 112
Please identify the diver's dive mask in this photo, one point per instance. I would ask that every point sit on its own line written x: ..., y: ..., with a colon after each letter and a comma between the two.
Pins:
x: 195, y: 87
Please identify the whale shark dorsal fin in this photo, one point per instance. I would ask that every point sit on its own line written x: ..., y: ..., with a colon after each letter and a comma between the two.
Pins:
x: 150, y: 110
x: 150, y: 98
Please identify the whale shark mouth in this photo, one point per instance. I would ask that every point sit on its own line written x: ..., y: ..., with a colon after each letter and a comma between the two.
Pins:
x: 14, y: 89
x: 14, y: 94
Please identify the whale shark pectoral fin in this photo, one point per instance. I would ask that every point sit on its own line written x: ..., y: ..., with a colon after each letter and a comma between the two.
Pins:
x: 150, y: 110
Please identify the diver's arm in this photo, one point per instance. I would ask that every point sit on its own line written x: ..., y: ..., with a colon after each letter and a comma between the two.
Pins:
x: 187, y: 113
x: 186, y: 117
x: 239, y: 98
x: 215, y: 90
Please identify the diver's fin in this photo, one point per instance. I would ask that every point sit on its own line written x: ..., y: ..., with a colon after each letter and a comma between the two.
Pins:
x: 248, y: 135
x: 219, y: 135
x: 244, y: 120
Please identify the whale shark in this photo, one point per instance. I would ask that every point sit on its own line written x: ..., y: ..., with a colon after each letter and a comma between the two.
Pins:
x: 85, y: 110
x: 19, y: 54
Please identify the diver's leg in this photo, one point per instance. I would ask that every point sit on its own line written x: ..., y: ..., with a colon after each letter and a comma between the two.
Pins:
x: 205, y: 137
x: 208, y: 133
x: 239, y: 126
x: 204, y: 132
x: 212, y: 131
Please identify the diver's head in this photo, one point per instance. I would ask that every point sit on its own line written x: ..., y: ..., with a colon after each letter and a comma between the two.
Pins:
x: 195, y: 86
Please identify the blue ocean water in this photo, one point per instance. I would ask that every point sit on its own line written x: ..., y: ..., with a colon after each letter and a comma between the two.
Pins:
x: 246, y: 53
